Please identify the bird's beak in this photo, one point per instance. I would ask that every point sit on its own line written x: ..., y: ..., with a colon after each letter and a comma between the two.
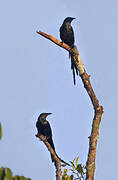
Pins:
x: 72, y: 19
x: 48, y: 114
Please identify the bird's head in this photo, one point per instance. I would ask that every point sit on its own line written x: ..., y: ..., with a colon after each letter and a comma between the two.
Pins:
x: 42, y: 116
x: 68, y: 19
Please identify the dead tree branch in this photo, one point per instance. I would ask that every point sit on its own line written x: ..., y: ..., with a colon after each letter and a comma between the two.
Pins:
x: 57, y: 160
x: 98, y: 109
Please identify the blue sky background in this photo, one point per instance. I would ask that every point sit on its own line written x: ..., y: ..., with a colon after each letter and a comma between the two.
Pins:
x: 35, y: 77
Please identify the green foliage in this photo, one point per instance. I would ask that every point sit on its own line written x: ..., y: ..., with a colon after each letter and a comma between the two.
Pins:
x: 2, y: 173
x: 0, y: 131
x: 65, y: 176
x: 6, y: 174
x: 78, y: 171
x: 77, y: 159
x: 22, y: 178
x: 16, y: 177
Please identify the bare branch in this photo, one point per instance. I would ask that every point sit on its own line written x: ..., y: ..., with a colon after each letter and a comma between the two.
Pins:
x: 57, y: 160
x: 98, y: 111
x: 56, y: 41
x: 74, y: 50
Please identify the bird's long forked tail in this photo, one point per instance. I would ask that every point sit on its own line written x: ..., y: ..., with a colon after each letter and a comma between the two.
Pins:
x: 50, y: 141
x: 74, y: 67
x: 53, y: 160
x: 64, y: 163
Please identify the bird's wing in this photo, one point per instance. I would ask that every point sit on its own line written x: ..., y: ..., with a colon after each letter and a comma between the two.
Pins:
x: 49, y: 138
x: 39, y: 127
x: 48, y: 129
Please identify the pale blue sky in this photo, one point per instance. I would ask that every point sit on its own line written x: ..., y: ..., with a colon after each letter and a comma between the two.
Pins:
x: 35, y: 77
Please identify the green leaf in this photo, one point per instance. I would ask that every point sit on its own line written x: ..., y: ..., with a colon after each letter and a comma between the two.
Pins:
x: 77, y: 161
x: 22, y: 178
x: 73, y: 165
x: 2, y: 173
x: 74, y: 160
x: 64, y: 177
x: 65, y: 171
x: 68, y: 178
x: 0, y: 131
x: 16, y: 177
x: 8, y: 174
x: 80, y: 168
x: 71, y: 177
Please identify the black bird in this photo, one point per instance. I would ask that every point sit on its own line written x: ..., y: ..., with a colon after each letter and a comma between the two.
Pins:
x: 67, y: 36
x: 66, y: 32
x: 44, y: 128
